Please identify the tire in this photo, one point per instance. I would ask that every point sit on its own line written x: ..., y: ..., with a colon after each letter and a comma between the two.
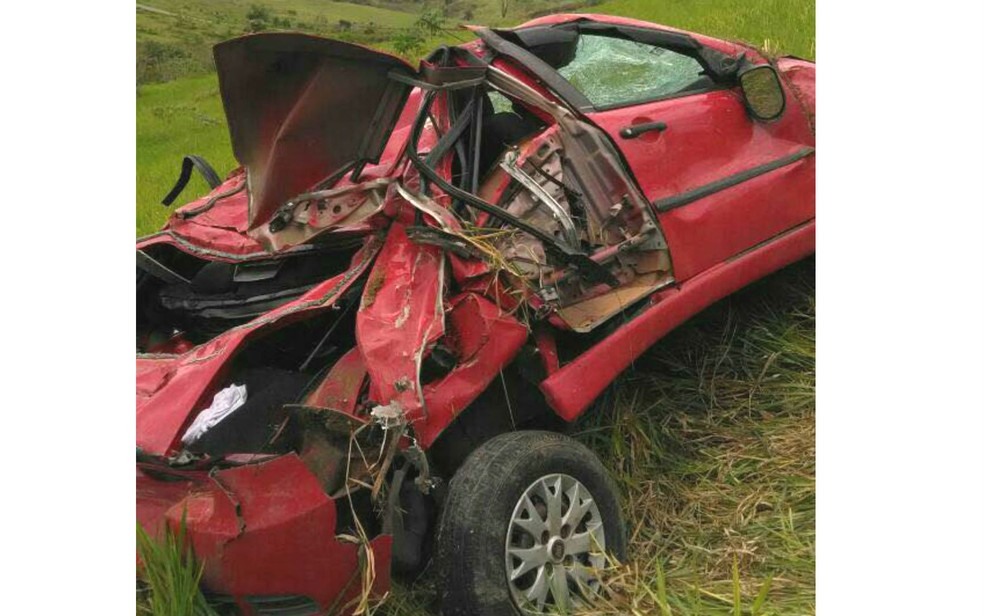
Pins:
x: 484, y: 507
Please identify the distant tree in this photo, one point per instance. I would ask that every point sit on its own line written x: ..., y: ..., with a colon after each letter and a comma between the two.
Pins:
x: 408, y: 43
x: 430, y: 22
x: 344, y: 24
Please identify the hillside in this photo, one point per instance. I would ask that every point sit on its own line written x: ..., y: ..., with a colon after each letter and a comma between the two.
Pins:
x: 175, y: 37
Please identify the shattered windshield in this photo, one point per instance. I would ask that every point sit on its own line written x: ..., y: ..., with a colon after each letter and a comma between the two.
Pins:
x: 613, y: 71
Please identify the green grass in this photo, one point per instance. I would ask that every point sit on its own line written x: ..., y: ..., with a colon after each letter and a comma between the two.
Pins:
x: 173, y: 119
x: 777, y: 26
x: 169, y: 578
x: 712, y: 440
x: 175, y: 39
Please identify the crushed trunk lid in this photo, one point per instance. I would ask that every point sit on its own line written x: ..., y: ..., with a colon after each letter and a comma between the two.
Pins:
x: 302, y: 108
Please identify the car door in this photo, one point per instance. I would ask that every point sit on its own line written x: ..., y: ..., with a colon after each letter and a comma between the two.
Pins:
x: 720, y: 182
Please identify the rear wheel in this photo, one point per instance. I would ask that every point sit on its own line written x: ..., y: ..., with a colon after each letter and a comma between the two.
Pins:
x: 526, y: 526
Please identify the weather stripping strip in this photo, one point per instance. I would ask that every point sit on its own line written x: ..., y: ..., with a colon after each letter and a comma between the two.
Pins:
x: 669, y: 203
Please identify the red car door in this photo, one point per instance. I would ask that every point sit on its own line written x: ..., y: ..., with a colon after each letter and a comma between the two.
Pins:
x: 720, y: 181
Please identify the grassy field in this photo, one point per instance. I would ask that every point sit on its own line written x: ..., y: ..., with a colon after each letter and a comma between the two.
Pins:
x: 710, y: 436
x: 778, y: 26
x: 175, y: 37
x: 173, y: 119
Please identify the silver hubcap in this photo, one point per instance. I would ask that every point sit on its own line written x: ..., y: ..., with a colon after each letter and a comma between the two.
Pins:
x: 555, y: 544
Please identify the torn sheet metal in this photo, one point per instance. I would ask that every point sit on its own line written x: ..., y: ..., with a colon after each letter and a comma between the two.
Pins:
x: 340, y: 388
x: 171, y: 389
x: 313, y: 213
x: 401, y: 315
x: 290, y: 123
x: 484, y: 339
x: 263, y: 529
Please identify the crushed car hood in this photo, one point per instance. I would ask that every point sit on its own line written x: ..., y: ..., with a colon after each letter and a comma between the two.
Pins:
x: 302, y: 109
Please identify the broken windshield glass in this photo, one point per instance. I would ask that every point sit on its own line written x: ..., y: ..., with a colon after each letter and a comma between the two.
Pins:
x: 613, y: 71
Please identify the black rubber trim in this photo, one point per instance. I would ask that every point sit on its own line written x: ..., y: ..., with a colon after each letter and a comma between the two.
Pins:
x: 543, y: 71
x: 669, y: 203
x: 188, y: 163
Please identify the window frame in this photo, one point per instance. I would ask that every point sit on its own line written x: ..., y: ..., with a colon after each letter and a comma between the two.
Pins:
x: 720, y: 67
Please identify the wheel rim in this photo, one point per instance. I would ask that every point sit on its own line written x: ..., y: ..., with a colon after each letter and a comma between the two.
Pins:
x: 555, y: 544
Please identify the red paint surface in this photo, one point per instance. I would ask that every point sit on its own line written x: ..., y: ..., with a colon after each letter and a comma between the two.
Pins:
x: 262, y: 529
x: 485, y: 340
x: 402, y: 313
x: 571, y: 389
x: 709, y: 136
x: 340, y: 389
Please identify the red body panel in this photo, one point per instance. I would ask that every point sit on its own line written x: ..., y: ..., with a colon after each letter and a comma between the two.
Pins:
x: 402, y: 313
x: 262, y: 529
x: 340, y: 389
x: 706, y: 232
x: 572, y: 388
x: 486, y: 339
x: 709, y: 138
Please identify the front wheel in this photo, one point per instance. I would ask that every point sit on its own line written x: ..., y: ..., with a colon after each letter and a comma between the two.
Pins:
x: 528, y: 521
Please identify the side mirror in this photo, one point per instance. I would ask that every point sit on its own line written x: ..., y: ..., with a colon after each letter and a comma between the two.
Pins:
x: 763, y: 92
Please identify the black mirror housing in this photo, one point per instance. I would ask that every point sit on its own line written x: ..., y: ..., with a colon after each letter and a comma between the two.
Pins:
x: 764, y: 96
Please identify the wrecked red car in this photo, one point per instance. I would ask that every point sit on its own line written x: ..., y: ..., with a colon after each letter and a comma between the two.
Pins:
x: 358, y: 353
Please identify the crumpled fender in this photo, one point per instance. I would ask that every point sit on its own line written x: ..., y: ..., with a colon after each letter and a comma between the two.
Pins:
x: 262, y: 529
x: 485, y: 340
x: 171, y: 387
x: 401, y: 315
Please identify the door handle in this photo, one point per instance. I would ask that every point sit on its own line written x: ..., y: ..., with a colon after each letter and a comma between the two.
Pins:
x: 631, y: 132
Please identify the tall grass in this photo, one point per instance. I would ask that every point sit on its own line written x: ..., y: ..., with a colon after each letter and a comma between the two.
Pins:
x: 168, y: 581
x: 711, y: 438
x: 778, y: 26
